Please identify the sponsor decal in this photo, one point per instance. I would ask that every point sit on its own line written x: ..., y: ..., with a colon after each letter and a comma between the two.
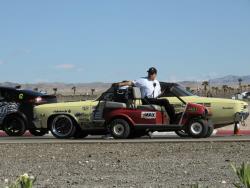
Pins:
x: 208, y: 105
x: 85, y: 108
x: 192, y: 109
x: 79, y: 114
x: 148, y: 115
x: 227, y: 108
x: 62, y: 111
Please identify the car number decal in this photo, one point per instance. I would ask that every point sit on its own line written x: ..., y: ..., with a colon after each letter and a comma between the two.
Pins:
x: 148, y: 115
x: 20, y: 96
x: 85, y: 108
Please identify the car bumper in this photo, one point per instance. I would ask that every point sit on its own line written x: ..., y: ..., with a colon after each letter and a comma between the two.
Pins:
x: 241, y: 116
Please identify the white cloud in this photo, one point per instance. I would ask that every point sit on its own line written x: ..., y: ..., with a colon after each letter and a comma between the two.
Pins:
x: 79, y: 69
x: 65, y: 66
x: 1, y: 62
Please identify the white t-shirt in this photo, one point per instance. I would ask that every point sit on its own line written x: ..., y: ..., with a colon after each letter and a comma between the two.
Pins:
x: 149, y: 88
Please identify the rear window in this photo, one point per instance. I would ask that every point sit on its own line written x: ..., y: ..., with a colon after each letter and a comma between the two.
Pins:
x: 32, y: 93
x: 50, y: 98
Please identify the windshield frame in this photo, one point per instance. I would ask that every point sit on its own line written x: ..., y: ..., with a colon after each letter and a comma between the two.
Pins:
x: 182, y: 92
x: 175, y: 88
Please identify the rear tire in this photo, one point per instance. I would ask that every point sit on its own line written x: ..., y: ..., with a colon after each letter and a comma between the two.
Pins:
x: 38, y: 132
x: 14, y: 126
x: 80, y: 133
x: 120, y: 129
x: 62, y: 127
x: 182, y: 134
x: 198, y: 128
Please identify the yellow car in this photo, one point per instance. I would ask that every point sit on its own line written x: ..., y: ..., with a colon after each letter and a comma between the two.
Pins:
x: 64, y: 115
x: 224, y: 111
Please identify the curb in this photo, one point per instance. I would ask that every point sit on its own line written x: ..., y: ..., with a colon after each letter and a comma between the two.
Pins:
x: 215, y: 133
x: 3, y: 134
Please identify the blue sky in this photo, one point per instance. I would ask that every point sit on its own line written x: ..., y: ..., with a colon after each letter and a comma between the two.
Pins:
x: 112, y: 40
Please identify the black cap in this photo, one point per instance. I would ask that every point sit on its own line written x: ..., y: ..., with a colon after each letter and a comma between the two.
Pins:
x: 152, y: 70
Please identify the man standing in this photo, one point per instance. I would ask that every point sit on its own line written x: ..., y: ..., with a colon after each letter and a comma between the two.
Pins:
x: 151, y: 89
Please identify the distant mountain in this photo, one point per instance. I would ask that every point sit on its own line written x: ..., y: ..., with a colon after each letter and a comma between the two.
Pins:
x: 63, y: 88
x: 230, y: 80
x: 85, y: 88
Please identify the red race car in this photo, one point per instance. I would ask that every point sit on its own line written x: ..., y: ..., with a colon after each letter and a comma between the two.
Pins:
x: 127, y: 117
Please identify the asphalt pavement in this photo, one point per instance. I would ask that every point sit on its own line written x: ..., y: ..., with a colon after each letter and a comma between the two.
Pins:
x: 98, y: 139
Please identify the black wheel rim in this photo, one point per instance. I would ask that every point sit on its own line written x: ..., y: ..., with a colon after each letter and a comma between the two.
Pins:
x: 14, y: 126
x: 118, y: 129
x: 62, y: 126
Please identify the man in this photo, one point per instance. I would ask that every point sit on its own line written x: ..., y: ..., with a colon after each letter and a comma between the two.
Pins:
x: 151, y: 89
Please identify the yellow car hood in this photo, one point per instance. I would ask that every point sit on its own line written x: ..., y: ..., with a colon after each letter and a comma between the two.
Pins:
x: 197, y: 99
x: 68, y: 104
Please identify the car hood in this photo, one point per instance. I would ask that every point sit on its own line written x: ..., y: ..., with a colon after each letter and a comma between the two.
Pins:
x: 67, y: 104
x: 197, y: 99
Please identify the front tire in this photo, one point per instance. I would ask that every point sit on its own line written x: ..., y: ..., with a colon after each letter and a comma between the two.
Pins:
x: 197, y: 128
x: 14, y: 126
x: 38, y: 132
x: 120, y: 129
x: 210, y: 130
x: 62, y: 127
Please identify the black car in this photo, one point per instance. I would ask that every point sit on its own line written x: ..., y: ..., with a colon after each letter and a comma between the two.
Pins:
x: 16, y: 110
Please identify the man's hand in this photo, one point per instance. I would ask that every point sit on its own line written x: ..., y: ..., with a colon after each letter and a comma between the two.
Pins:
x: 121, y: 84
x: 115, y: 85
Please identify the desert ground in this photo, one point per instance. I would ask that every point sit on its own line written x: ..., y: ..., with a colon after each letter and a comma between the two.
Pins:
x: 125, y: 165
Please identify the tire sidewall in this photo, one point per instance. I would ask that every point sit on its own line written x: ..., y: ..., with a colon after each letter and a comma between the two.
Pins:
x: 36, y: 132
x: 21, y: 124
x: 204, y: 131
x: 79, y: 133
x: 127, y: 130
x: 69, y: 134
x: 210, y: 130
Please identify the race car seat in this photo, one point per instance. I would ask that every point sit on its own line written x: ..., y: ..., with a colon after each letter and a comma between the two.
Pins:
x: 111, y: 104
x: 138, y: 96
x: 98, y: 112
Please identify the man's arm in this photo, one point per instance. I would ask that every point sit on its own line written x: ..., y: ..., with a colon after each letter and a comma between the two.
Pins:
x: 124, y: 83
x: 158, y: 90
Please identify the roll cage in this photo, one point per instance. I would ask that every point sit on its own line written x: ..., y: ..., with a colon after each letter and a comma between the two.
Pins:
x: 168, y: 90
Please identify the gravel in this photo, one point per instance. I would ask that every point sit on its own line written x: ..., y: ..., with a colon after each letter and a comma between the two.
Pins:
x: 124, y: 165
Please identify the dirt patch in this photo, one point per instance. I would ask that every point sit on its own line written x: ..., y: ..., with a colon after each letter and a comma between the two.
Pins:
x: 124, y: 165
